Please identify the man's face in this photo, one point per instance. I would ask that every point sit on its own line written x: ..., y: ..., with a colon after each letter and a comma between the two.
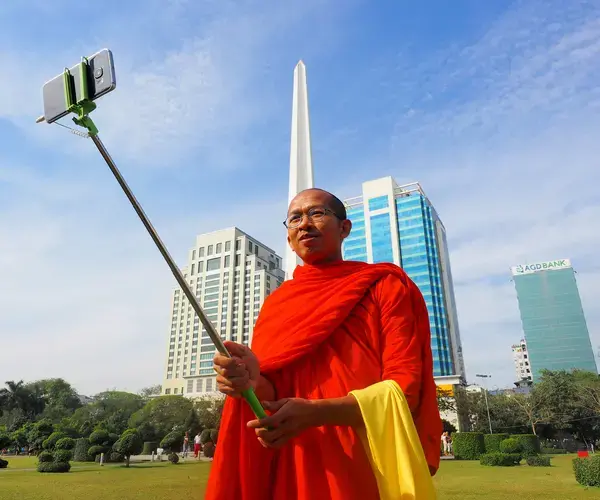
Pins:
x: 316, y: 241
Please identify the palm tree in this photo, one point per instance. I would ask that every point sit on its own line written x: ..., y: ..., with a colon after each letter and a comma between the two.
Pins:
x: 18, y: 395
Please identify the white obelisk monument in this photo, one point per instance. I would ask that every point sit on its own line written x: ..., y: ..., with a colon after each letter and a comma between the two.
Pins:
x: 301, y: 167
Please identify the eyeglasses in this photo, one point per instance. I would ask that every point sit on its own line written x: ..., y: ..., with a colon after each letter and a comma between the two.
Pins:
x: 314, y: 215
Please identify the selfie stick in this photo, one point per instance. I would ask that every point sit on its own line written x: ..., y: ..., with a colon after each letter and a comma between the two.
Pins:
x: 82, y: 108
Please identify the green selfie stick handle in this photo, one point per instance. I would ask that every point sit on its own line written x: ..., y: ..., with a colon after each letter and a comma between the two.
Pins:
x: 250, y: 397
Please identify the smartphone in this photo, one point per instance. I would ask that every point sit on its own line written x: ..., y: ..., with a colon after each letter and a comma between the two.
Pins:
x: 101, y: 81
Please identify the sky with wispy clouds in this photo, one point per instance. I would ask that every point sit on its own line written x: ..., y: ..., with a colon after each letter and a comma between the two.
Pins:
x: 492, y: 106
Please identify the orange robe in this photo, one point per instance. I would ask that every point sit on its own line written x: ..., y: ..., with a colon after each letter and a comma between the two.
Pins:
x: 330, y: 330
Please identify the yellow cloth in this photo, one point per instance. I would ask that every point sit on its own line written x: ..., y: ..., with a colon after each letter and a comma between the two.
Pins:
x: 393, y: 445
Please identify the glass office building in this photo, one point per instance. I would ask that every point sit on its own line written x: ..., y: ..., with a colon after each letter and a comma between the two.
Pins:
x: 392, y: 223
x: 552, y: 317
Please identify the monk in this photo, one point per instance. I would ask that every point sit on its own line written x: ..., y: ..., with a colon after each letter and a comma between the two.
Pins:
x: 341, y: 360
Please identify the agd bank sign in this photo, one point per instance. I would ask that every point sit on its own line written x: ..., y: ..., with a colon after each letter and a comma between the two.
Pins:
x: 540, y: 266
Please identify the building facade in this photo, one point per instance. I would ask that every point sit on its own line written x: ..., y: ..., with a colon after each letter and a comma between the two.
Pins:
x: 521, y: 360
x: 231, y: 274
x: 392, y: 223
x: 552, y: 317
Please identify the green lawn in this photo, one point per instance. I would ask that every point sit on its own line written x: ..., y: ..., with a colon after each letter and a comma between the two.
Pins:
x: 455, y: 481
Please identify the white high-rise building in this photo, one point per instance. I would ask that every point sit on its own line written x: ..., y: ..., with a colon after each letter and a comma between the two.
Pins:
x: 521, y: 359
x: 231, y: 274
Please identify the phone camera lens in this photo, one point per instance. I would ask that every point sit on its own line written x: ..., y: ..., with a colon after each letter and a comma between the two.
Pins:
x: 98, y: 73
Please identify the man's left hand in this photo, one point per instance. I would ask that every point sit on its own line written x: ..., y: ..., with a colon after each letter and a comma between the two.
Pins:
x: 290, y: 417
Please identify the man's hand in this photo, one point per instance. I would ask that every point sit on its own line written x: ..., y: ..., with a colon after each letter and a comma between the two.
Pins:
x: 238, y: 373
x: 290, y: 417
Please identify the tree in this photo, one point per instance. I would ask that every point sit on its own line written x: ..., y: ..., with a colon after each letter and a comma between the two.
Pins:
x: 5, y: 440
x: 161, y: 415
x: 19, y: 437
x: 17, y: 395
x: 153, y: 390
x: 38, y: 433
x: 532, y: 407
x: 209, y: 410
x: 192, y: 423
x: 446, y: 401
x: 130, y: 443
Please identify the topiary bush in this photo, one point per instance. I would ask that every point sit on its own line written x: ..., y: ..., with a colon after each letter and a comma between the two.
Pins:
x: 553, y: 451
x: 174, y: 458
x: 52, y: 439
x: 149, y: 447
x: 45, y: 457
x: 214, y: 434
x: 172, y: 441
x: 530, y: 444
x: 587, y: 470
x: 510, y: 445
x: 63, y: 455
x: 54, y: 467
x: 66, y: 443
x: 500, y: 459
x: 205, y: 437
x: 538, y: 461
x: 96, y: 450
x: 80, y: 451
x: 3, y: 464
x: 492, y: 442
x: 209, y: 450
x: 468, y: 445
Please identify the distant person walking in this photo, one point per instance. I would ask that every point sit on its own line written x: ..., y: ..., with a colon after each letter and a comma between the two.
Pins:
x: 186, y: 444
x: 197, y: 446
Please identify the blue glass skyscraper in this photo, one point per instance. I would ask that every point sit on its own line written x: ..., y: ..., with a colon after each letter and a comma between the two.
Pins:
x: 398, y: 224
x: 552, y: 317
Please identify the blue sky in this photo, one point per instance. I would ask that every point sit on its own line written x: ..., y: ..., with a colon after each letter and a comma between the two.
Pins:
x: 493, y: 108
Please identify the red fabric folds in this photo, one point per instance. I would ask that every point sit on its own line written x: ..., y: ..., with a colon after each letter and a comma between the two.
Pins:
x: 330, y: 330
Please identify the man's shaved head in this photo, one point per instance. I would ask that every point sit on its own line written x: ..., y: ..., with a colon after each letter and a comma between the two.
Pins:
x: 334, y: 203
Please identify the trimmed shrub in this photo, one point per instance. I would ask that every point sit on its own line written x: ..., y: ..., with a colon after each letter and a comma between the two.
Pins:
x: 468, y: 445
x: 511, y: 445
x: 99, y: 438
x: 209, y: 450
x: 553, y: 451
x: 214, y: 434
x: 52, y: 439
x: 205, y: 437
x: 149, y: 447
x: 174, y: 458
x: 587, y: 470
x: 54, y: 467
x: 45, y: 457
x: 530, y: 444
x: 172, y: 441
x: 3, y: 464
x: 63, y: 455
x: 500, y: 459
x: 65, y: 444
x: 538, y: 461
x: 492, y: 442
x: 80, y: 452
x: 96, y: 450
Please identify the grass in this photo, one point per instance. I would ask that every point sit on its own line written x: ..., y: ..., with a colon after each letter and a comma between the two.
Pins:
x: 455, y: 481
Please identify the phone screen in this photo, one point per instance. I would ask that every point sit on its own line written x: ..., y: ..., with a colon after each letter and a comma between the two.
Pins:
x: 101, y: 80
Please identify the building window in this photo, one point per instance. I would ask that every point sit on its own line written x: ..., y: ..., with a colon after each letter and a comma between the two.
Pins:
x: 209, y: 385
x: 167, y: 391
x: 250, y: 246
x: 213, y: 264
x: 175, y: 391
x: 219, y: 247
x: 190, y: 386
x: 200, y: 266
x: 237, y: 260
x: 199, y: 385
x: 193, y: 254
x: 227, y: 261
x: 378, y: 203
x: 201, y: 252
x: 193, y: 268
x: 227, y: 246
x: 238, y: 245
x: 209, y: 250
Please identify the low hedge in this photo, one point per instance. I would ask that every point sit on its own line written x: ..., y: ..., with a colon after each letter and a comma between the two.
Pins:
x: 538, y: 461
x: 587, y: 470
x: 500, y: 459
x: 492, y: 442
x: 468, y: 445
x: 553, y: 451
x: 530, y: 444
x: 54, y: 467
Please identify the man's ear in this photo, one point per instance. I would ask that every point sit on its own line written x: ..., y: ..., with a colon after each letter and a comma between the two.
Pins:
x: 346, y: 228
